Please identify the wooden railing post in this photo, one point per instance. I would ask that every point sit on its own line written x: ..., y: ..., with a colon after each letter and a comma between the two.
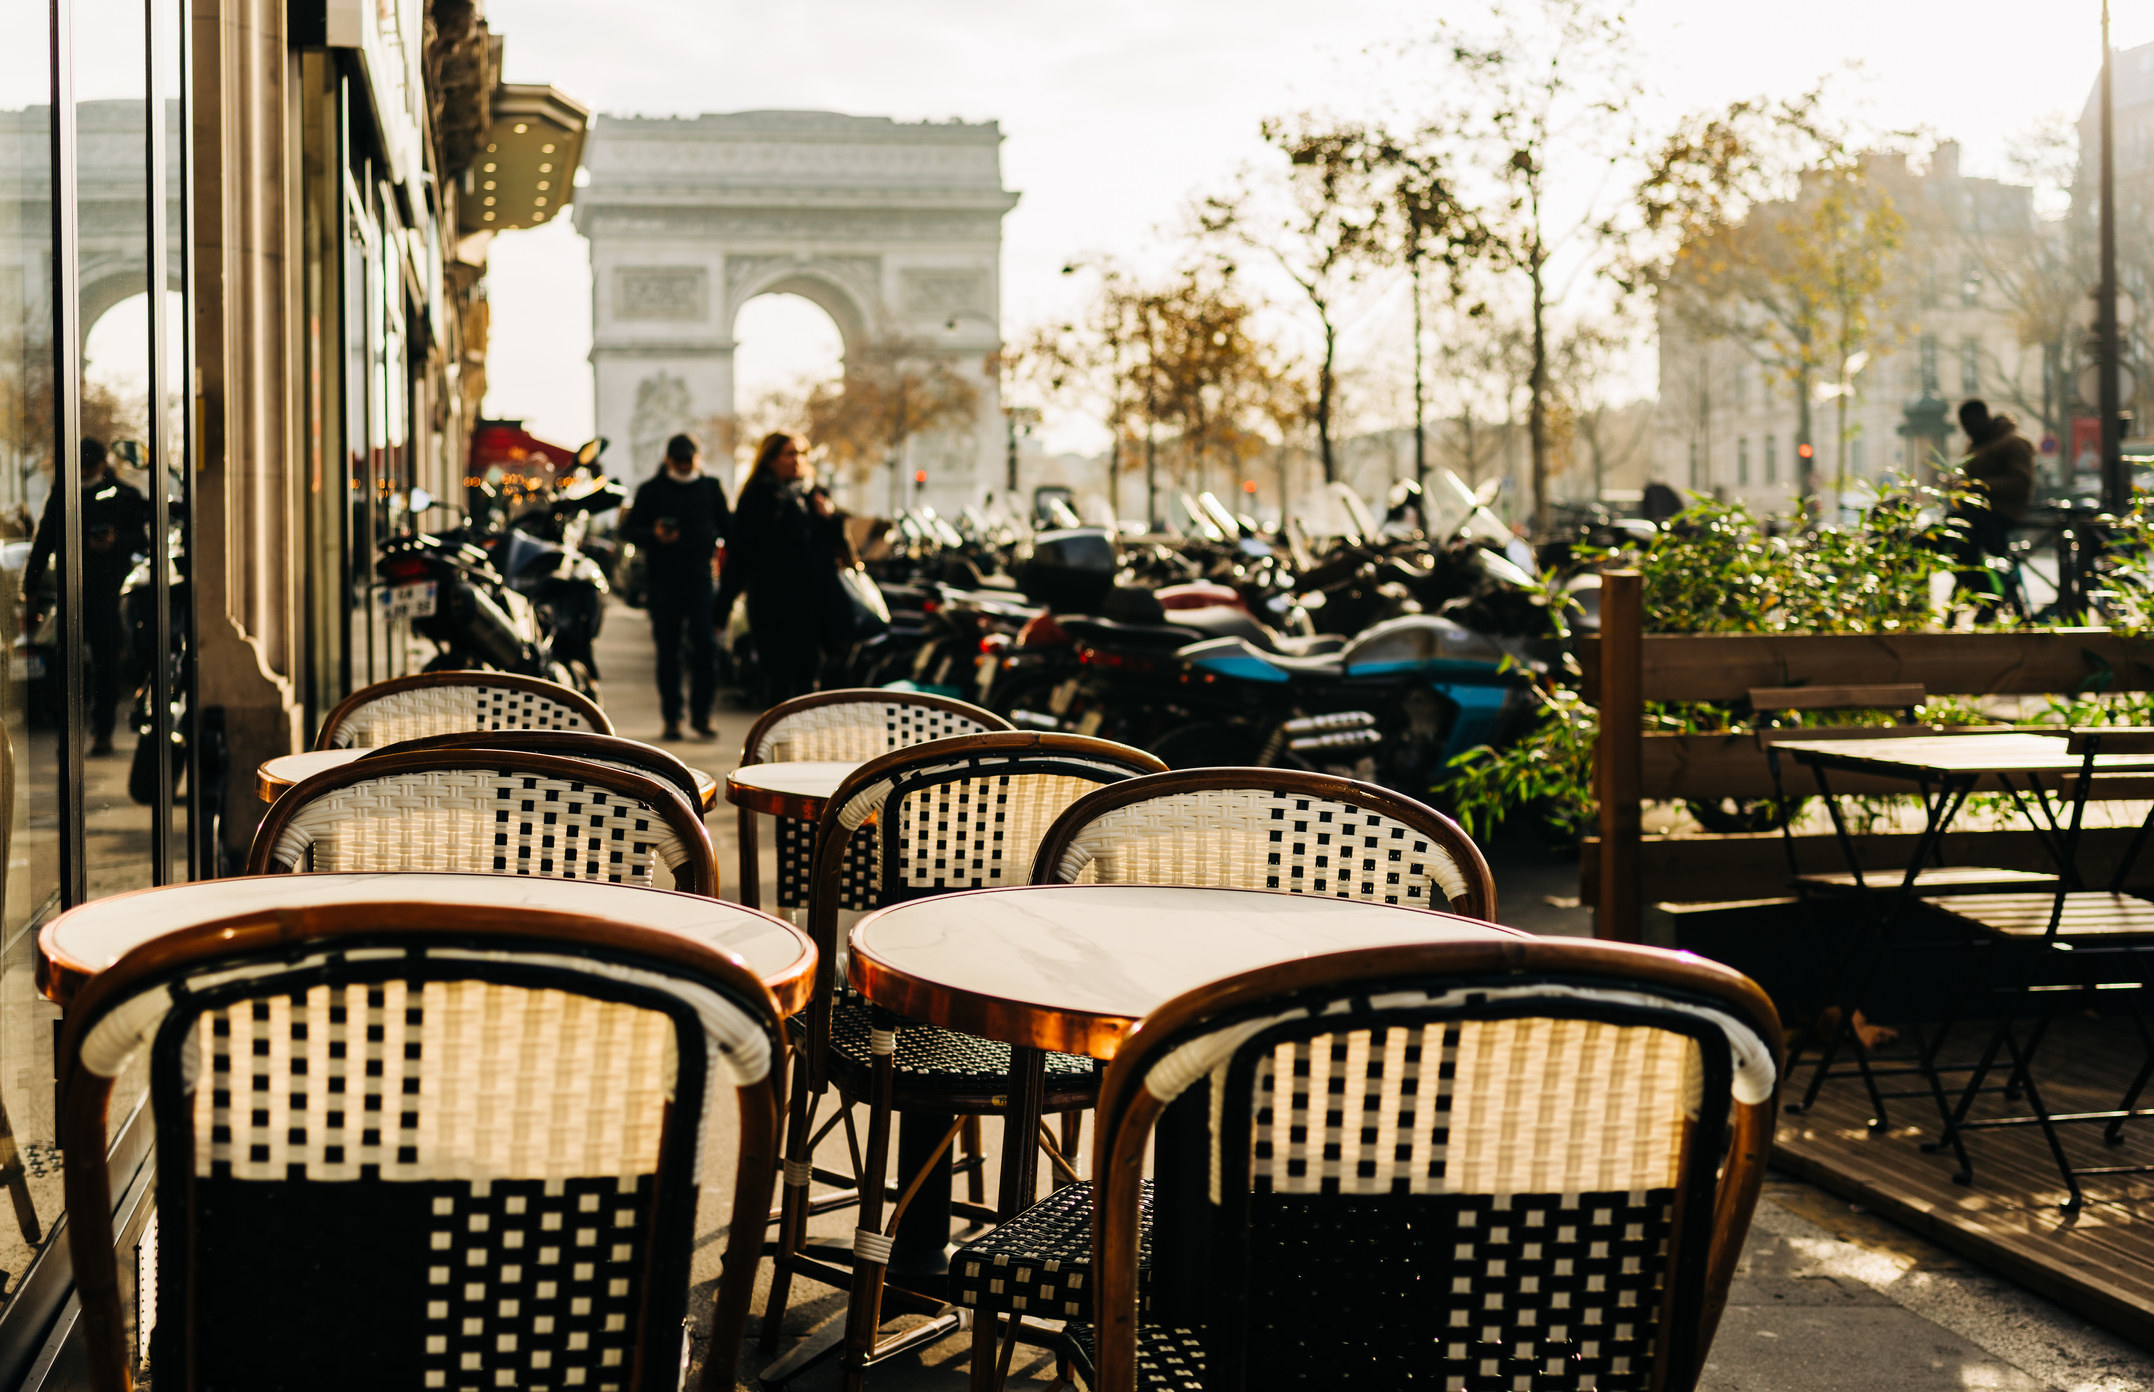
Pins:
x: 1617, y: 913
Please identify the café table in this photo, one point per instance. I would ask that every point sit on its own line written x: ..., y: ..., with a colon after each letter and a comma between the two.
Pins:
x: 85, y: 940
x: 1074, y: 968
x: 794, y: 788
x: 275, y: 775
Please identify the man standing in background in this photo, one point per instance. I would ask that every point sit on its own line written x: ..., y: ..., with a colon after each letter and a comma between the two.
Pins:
x: 679, y: 519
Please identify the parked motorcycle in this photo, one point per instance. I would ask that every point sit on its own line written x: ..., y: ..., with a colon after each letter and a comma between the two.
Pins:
x: 447, y: 586
x: 543, y: 556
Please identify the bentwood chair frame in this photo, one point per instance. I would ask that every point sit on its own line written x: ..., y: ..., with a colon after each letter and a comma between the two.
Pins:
x: 1285, y: 830
x: 512, y: 813
x: 855, y: 723
x: 1576, y: 996
x: 441, y: 703
x: 719, y: 1025
x: 1270, y: 828
x: 871, y: 1056
x: 633, y: 755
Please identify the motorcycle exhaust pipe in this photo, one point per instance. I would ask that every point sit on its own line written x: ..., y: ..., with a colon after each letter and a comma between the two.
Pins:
x: 1336, y: 739
x: 1333, y: 720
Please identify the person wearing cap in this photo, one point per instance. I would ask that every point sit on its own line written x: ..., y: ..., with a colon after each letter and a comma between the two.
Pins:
x: 679, y: 520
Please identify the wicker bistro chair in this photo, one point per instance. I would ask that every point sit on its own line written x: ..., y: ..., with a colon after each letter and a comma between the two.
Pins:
x: 1529, y: 1163
x: 354, y: 1190
x: 611, y: 750
x: 845, y: 726
x: 489, y: 811
x: 1220, y: 828
x: 442, y: 703
x: 954, y: 814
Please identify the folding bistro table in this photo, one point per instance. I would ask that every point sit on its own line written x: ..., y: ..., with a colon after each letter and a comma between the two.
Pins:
x: 2049, y: 779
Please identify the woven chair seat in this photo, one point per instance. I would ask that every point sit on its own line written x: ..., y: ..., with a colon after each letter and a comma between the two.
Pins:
x: 1168, y: 1360
x: 940, y: 1064
x: 1040, y: 1262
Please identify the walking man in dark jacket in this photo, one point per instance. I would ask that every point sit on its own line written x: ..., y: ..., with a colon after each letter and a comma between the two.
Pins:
x: 115, y: 528
x: 680, y: 518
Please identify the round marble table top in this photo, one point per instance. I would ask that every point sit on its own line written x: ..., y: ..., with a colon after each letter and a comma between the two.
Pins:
x: 1075, y: 967
x: 795, y: 788
x: 86, y: 940
x: 282, y: 772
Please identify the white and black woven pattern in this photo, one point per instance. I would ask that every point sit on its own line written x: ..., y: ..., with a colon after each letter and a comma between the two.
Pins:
x: 856, y: 731
x: 857, y: 877
x: 479, y: 819
x: 1523, y: 1292
x: 1168, y: 1360
x: 463, y: 1080
x: 1530, y: 1105
x: 1258, y: 838
x: 1040, y: 1262
x: 974, y: 832
x: 534, y: 1285
x: 930, y: 1057
x: 419, y: 712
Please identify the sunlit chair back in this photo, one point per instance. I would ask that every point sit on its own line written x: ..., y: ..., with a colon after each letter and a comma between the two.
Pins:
x: 1527, y: 1162
x: 611, y: 750
x: 1277, y: 829
x: 846, y: 726
x: 401, y: 1144
x: 443, y: 703
x: 490, y: 812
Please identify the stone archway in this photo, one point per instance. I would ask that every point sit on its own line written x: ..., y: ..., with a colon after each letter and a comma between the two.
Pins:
x: 893, y: 230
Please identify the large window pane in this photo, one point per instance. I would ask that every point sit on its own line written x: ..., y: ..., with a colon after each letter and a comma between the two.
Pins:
x: 30, y: 701
x: 119, y: 629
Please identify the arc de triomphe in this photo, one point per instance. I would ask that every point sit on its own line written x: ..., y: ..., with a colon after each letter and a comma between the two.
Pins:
x: 893, y: 229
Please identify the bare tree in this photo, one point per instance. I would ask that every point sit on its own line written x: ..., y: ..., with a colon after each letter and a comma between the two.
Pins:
x: 1324, y: 229
x: 891, y: 392
x: 1546, y: 82
x: 1773, y: 227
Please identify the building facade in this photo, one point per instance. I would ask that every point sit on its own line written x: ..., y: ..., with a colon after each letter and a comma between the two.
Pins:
x: 1730, y: 422
x: 242, y: 321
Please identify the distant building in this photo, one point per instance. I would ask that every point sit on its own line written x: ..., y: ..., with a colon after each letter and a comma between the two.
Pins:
x: 1729, y: 424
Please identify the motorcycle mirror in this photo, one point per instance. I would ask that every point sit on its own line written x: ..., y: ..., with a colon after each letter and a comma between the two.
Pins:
x: 588, y: 452
x: 420, y: 500
x: 1486, y: 493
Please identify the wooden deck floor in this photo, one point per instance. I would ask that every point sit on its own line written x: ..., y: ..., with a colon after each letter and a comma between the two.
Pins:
x: 2098, y: 1262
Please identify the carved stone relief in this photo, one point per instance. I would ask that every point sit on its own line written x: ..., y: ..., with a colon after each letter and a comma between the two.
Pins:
x: 942, y: 292
x: 664, y: 408
x: 661, y: 292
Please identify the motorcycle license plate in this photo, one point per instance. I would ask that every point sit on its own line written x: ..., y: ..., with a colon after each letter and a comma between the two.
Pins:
x: 1059, y: 702
x: 411, y: 601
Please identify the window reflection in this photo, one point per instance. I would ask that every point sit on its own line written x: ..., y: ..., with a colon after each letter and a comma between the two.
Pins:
x: 30, y: 701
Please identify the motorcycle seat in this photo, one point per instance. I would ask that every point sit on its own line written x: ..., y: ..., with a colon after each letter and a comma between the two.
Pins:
x: 1311, y: 645
x: 1106, y: 633
x: 1238, y: 657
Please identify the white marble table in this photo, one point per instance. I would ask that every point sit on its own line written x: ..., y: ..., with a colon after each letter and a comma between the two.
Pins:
x: 1074, y: 967
x: 794, y: 788
x: 86, y: 940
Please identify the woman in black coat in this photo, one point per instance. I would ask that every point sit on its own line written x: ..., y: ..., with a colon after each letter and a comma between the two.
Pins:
x: 782, y: 551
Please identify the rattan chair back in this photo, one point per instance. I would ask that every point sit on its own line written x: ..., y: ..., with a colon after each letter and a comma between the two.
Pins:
x: 1526, y: 1161
x: 1264, y: 828
x: 492, y: 812
x: 948, y: 815
x: 442, y: 703
x: 611, y: 750
x: 845, y: 726
x: 422, y: 1145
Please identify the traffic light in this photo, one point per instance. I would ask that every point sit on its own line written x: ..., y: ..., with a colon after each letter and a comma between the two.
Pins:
x: 1804, y: 449
x: 919, y: 476
x: 1249, y: 486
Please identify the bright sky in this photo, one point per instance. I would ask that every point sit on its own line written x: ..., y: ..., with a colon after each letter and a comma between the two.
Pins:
x: 1116, y: 111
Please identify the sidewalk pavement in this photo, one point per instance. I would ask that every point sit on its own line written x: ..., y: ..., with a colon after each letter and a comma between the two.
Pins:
x: 1827, y: 1298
